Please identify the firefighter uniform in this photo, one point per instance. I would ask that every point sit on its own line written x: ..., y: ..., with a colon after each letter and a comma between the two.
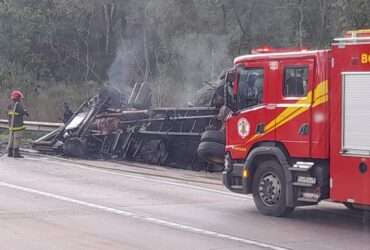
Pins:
x: 16, y: 112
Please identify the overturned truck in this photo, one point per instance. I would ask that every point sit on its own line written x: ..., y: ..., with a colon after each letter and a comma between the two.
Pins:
x: 103, y: 128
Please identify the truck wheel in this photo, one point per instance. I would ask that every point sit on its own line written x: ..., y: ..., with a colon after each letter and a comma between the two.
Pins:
x: 213, y: 136
x: 75, y: 147
x: 269, y: 189
x: 212, y: 152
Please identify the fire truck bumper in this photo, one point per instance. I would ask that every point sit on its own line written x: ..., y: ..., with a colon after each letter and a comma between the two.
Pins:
x: 232, y: 177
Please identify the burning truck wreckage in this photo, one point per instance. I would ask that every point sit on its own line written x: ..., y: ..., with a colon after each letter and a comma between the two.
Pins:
x: 191, y: 137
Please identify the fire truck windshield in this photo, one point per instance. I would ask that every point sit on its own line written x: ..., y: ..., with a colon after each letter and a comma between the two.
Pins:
x: 250, y: 88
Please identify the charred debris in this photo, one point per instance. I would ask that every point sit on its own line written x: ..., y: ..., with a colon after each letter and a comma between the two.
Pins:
x: 104, y: 128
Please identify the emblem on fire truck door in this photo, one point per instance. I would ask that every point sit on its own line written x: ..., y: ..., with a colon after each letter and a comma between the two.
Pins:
x: 243, y: 128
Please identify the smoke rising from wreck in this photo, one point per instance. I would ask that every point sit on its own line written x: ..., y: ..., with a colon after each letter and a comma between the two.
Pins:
x: 180, y: 62
x: 202, y: 58
x: 122, y: 71
x: 199, y: 58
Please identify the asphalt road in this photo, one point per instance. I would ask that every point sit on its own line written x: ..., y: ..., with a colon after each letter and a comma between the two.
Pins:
x: 47, y: 203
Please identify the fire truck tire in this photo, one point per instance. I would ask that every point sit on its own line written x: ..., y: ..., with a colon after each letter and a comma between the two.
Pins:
x: 212, y: 152
x: 213, y: 136
x: 269, y: 189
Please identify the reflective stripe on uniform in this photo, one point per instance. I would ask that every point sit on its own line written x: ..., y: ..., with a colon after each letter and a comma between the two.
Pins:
x: 13, y: 113
x: 17, y: 129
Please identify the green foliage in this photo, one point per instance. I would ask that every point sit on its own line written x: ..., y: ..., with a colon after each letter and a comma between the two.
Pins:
x: 175, y: 44
x: 3, y: 136
x: 78, y: 40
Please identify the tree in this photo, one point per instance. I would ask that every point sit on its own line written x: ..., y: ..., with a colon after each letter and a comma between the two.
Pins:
x: 175, y: 44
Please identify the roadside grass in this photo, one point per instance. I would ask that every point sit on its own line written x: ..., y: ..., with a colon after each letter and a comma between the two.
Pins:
x: 29, y: 136
x: 44, y: 101
x: 3, y: 136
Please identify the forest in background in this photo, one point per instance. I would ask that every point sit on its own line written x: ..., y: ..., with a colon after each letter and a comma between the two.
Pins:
x: 64, y: 50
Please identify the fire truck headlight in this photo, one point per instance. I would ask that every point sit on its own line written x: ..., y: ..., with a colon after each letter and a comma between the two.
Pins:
x: 245, y: 173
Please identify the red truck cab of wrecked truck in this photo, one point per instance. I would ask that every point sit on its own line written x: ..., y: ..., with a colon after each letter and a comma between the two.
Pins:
x: 299, y: 131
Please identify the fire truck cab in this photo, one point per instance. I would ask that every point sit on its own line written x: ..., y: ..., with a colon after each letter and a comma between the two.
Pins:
x: 299, y: 130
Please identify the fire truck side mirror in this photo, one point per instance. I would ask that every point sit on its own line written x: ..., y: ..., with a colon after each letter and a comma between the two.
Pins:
x: 230, y: 76
x: 236, y: 84
x: 231, y: 90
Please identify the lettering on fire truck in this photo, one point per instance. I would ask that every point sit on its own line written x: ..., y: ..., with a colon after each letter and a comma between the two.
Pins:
x: 365, y: 58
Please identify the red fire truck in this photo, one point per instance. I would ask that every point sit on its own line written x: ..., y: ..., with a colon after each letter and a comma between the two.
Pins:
x: 299, y: 131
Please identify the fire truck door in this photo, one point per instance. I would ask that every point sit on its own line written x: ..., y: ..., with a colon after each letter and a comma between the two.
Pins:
x: 251, y: 122
x: 293, y: 120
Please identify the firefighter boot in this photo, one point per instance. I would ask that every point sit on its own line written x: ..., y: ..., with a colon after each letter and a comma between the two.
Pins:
x: 10, y: 152
x: 17, y: 154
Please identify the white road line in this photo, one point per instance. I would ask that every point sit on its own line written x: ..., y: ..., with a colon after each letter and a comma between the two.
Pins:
x: 158, y: 180
x: 143, y: 218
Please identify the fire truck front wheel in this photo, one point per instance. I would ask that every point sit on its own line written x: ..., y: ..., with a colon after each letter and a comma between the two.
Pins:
x: 269, y: 189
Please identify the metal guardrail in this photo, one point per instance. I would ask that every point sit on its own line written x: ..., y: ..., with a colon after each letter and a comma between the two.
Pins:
x: 35, y: 126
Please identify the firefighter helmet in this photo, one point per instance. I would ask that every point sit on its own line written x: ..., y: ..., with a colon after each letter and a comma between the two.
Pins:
x: 16, y: 95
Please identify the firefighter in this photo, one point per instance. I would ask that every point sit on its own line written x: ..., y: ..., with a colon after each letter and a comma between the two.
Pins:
x: 16, y: 112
